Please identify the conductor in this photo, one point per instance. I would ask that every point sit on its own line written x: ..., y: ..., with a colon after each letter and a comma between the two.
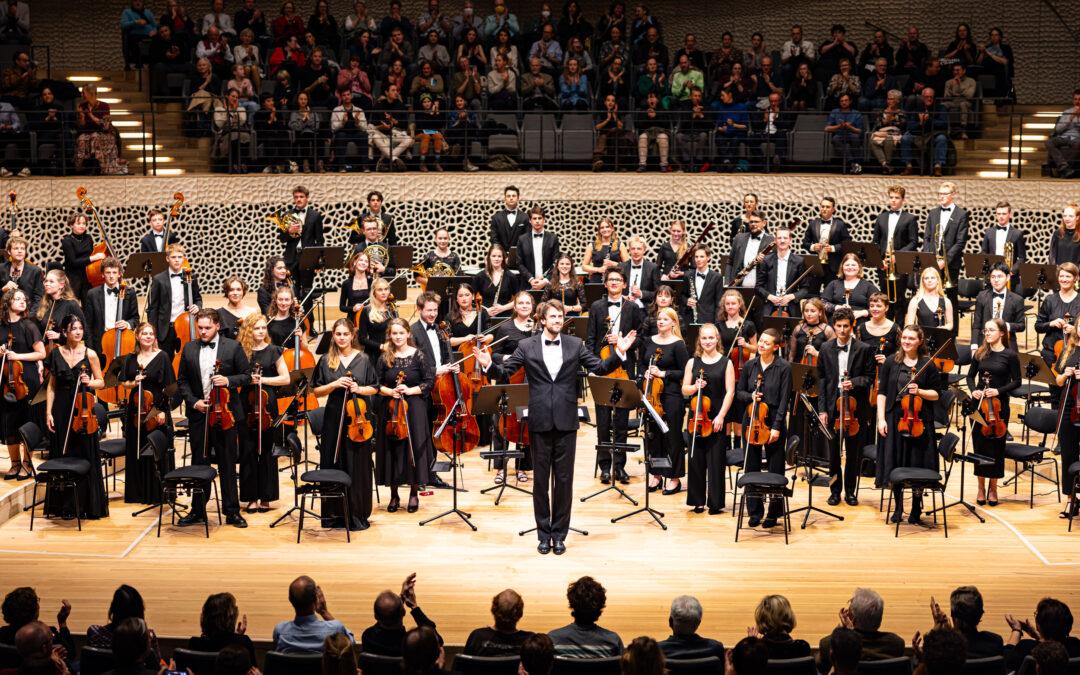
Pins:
x: 552, y: 362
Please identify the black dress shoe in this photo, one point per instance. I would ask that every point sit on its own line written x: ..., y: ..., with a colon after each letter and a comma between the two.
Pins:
x: 674, y: 491
x: 768, y: 523
x: 654, y: 488
x: 439, y: 483
x: 914, y: 519
x: 715, y: 512
x: 191, y: 519
x: 833, y: 500
x: 394, y: 505
x: 896, y: 517
x: 851, y: 500
x: 699, y: 509
x: 544, y: 547
x: 559, y: 547
x: 754, y: 521
x: 236, y: 520
x: 414, y: 505
x: 605, y: 477
x: 623, y: 477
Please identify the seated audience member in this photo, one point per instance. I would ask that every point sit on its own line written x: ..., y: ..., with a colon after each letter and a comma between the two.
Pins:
x: 501, y: 18
x: 349, y: 125
x: 21, y: 606
x: 887, y: 130
x: 388, y: 131
x: 504, y: 638
x: 796, y: 52
x: 548, y: 50
x: 692, y: 136
x: 651, y: 47
x: 318, y: 79
x: 773, y: 622
x: 1051, y: 658
x: 750, y: 656
x: 959, y: 94
x: 877, y: 48
x: 273, y: 134
x: 651, y: 80
x: 653, y: 125
x: 313, y: 622
x: 386, y: 634
x: 846, y: 126
x: 845, y: 650
x: 996, y: 58
x: 205, y: 87
x: 287, y: 24
x: 176, y: 17
x: 832, y: 53
x: 723, y: 57
x: 1053, y: 623
x: 396, y: 76
x: 339, y: 656
x: 684, y: 642
x: 774, y: 127
x: 642, y: 657
x: 876, y: 86
x: 642, y: 22
x: 126, y: 603
x: 930, y: 76
x: 35, y: 640
x: 284, y: 91
x: 131, y: 648
x: 575, y: 49
x: 1063, y: 146
x: 15, y: 24
x: 232, y: 129
x: 614, y: 46
x: 574, y: 88
x: 221, y: 625
x: 473, y: 49
x: 538, y: 88
x: 397, y: 48
x: 245, y: 88
x: 732, y: 128
x: 136, y: 23
x: 217, y: 18
x: 234, y: 660
x: 215, y: 49
x: 250, y: 17
x: 690, y: 48
x: 942, y: 652
x: 613, y: 80
x: 12, y: 131
x: 537, y: 655
x: 803, y: 92
x: 96, y: 136
x: 844, y: 82
x: 422, y: 652
x: 247, y: 54
x: 966, y: 610
x: 741, y: 85
x: 684, y: 78
x: 766, y: 82
x: 167, y: 56
x: 927, y: 125
x: 434, y: 53
x: 324, y: 26
x: 462, y: 127
x: 430, y: 123
x: 20, y: 82
x: 467, y: 83
x: 355, y: 80
x: 584, y: 639
x: 757, y: 53
x: 611, y: 134
x: 429, y: 82
x: 863, y: 615
x: 912, y: 54
x: 502, y: 85
x: 288, y: 57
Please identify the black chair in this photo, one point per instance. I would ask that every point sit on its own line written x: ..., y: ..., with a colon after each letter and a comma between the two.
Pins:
x: 766, y: 485
x: 59, y: 475
x: 9, y: 656
x: 706, y: 665
x: 991, y: 665
x: 109, y: 449
x: 94, y: 661
x: 1029, y: 457
x: 800, y: 666
x: 277, y: 663
x: 324, y: 484
x: 901, y: 665
x: 34, y: 440
x: 869, y: 459
x: 1027, y: 667
x: 968, y: 290
x: 486, y: 665
x: 608, y: 665
x: 927, y: 480
x: 1074, y: 495
x: 377, y: 664
x: 192, y: 479
x: 196, y: 661
x: 736, y: 457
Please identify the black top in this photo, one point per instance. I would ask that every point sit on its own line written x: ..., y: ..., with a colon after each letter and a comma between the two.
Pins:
x: 496, y: 293
x: 453, y: 260
x: 372, y: 333
x: 568, y: 294
x: 801, y: 337
x: 77, y: 250
x: 892, y: 338
x: 860, y: 294
x: 728, y: 333
x: 666, y: 257
x: 25, y: 335
x: 1004, y: 374
x: 230, y: 324
x: 419, y: 372
x: 63, y: 308
x: 509, y: 330
x: 490, y: 642
x: 158, y: 375
x: 691, y: 647
x: 597, y: 256
x: 715, y: 387
x: 459, y: 328
x: 672, y: 360
x: 1053, y: 307
x: 775, y: 388
x: 351, y: 296
x: 786, y: 647
x: 280, y: 331
x: 377, y: 639
x: 267, y: 358
x: 216, y: 643
x: 1064, y: 249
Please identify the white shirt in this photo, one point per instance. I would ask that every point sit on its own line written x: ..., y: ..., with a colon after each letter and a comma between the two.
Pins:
x: 1000, y: 236
x: 752, y: 247
x: 699, y: 282
x: 159, y: 240
x: 301, y: 215
x: 538, y: 255
x: 894, y: 218
x: 511, y: 217
x: 433, y: 338
x: 824, y: 229
x: 842, y: 357
x: 552, y: 355
x: 110, y: 308
x: 614, y: 312
x: 207, y: 357
x: 635, y: 278
x: 176, y: 283
x: 770, y: 122
x: 781, y: 273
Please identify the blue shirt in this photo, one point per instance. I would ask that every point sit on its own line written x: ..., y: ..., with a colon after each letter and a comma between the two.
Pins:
x: 853, y: 117
x: 306, y: 634
x: 736, y: 112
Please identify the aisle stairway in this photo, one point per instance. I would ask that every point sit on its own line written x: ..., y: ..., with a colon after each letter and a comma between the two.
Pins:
x: 988, y: 157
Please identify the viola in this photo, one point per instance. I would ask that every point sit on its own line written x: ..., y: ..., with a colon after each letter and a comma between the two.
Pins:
x: 943, y: 364
x: 258, y: 400
x: 397, y: 422
x: 740, y: 355
x: 654, y: 386
x: 360, y: 427
x: 83, y: 419
x: 605, y: 353
x: 990, y: 407
x: 218, y: 414
x: 807, y: 359
x: 184, y: 325
x: 845, y: 423
x: 11, y: 371
x: 758, y: 431
x: 698, y: 424
x: 877, y: 374
x: 143, y: 412
x: 114, y: 344
x: 911, y: 423
x: 449, y: 387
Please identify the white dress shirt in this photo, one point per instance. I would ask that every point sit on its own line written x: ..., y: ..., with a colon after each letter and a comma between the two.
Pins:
x: 207, y: 357
x: 301, y: 215
x: 1000, y: 237
x: 842, y: 357
x: 614, y: 312
x: 538, y: 255
x: 781, y: 273
x: 433, y: 339
x: 110, y: 308
x: 511, y: 217
x: 635, y: 274
x: 159, y: 240
x: 894, y: 218
x: 752, y: 247
x: 552, y: 355
x: 699, y: 282
x: 824, y: 229
x: 176, y: 283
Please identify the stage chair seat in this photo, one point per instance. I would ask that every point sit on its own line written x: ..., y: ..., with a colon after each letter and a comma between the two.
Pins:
x: 1027, y: 457
x: 767, y: 485
x: 919, y: 480
x: 324, y: 484
x: 59, y: 475
x: 486, y: 665
x: 277, y: 663
x: 762, y: 479
x: 193, y: 478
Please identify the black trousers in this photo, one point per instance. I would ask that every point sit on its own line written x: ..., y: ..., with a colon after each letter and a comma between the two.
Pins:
x: 223, y: 444
x: 258, y: 466
x: 774, y: 463
x: 553, y: 468
x: 1070, y: 452
x: 849, y: 476
x: 341, y: 147
x: 614, y: 423
x: 705, y: 480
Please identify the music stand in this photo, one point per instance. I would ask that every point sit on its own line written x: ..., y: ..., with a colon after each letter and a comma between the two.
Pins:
x: 323, y: 345
x: 456, y: 412
x: 401, y: 256
x: 656, y: 462
x: 813, y: 263
x: 977, y: 266
x: 316, y: 260
x: 974, y: 418
x: 1033, y: 367
x: 678, y: 287
x: 1041, y: 277
x: 813, y: 424
x: 912, y: 263
x: 617, y: 394
x: 445, y: 287
x: 146, y: 265
x: 498, y: 400
x: 690, y: 332
x: 577, y: 326
x: 399, y: 288
x: 298, y: 386
x: 593, y: 292
x: 936, y: 337
x: 512, y: 258
x: 867, y: 252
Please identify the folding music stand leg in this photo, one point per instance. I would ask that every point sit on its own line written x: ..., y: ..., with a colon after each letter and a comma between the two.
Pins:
x: 656, y: 515
x: 811, y: 424
x: 459, y: 444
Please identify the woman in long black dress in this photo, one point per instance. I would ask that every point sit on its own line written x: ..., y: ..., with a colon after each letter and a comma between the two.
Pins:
x: 57, y: 304
x: 507, y: 336
x: 78, y: 248
x: 1067, y: 370
x: 994, y: 373
x: 404, y: 460
x: 711, y: 373
x: 374, y: 318
x: 849, y: 288
x: 258, y: 466
x: 929, y: 307
x: 1058, y: 311
x: 671, y: 250
x: 21, y: 342
x: 235, y: 311
x: 605, y: 252
x: 1065, y: 244
x: 896, y: 449
x: 880, y: 332
x: 344, y: 370
x: 152, y: 368
x: 565, y: 287
x: 666, y: 352
x: 275, y: 276
x: 738, y: 343
x: 803, y: 346
x: 69, y: 365
x: 357, y: 285
x: 497, y: 286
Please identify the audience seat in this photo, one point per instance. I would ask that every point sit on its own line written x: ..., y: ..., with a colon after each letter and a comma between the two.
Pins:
x: 809, y: 142
x: 800, y: 666
x: 901, y: 665
x: 377, y: 664
x: 486, y: 665
x: 539, y: 137
x: 609, y: 665
x: 504, y: 142
x: 196, y: 661
x: 94, y: 661
x: 277, y: 663
x: 993, y: 665
x: 708, y: 665
x: 9, y: 656
x: 578, y: 138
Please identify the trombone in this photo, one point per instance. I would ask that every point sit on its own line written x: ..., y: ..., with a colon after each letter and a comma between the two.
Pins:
x: 890, y: 272
x: 942, y: 262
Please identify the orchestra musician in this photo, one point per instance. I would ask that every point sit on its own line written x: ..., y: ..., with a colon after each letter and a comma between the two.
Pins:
x: 258, y: 465
x: 552, y: 365
x: 779, y: 270
x: 372, y: 237
x: 72, y: 363
x: 775, y: 393
x: 662, y: 299
x: 371, y: 327
x: 386, y: 221
x: 996, y: 237
x: 994, y: 373
x: 897, y: 449
x: 101, y: 306
x: 850, y: 289
x: 58, y: 303
x: 306, y: 231
x: 877, y: 326
x: 704, y: 288
x: 496, y: 284
x: 235, y: 310
x: 829, y: 232
x: 642, y: 276
x: 196, y: 379
x: 663, y: 356
x: 565, y: 287
x: 509, y: 223
x: 811, y: 333
x: 671, y: 251
x: 705, y: 479
x: 1064, y: 245
x: 535, y: 266
x: 1067, y: 370
x: 929, y: 307
x: 78, y: 249
x: 998, y: 302
x: 442, y: 253
x: 152, y: 368
x: 520, y: 327
x: 610, y: 318
x: 275, y: 275
x: 429, y: 339
x: 154, y: 240
x: 746, y: 248
x: 845, y: 364
x: 27, y: 348
x: 356, y: 287
x: 345, y: 370
x: 901, y: 228
x: 1051, y: 319
x: 953, y: 221
x: 465, y: 321
x: 281, y: 321
x: 404, y: 460
x: 16, y: 272
x: 166, y: 298
x: 742, y: 223
x: 605, y: 252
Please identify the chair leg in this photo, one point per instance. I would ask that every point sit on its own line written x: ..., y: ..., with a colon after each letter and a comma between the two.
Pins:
x: 738, y: 523
x: 78, y: 508
x: 944, y: 516
x: 897, y: 533
x: 33, y: 504
x: 786, y: 523
x: 348, y: 517
x: 161, y: 509
x: 300, y: 522
x: 375, y: 482
x: 217, y: 500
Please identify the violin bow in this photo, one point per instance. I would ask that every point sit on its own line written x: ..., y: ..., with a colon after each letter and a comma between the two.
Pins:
x: 920, y: 371
x: 738, y: 329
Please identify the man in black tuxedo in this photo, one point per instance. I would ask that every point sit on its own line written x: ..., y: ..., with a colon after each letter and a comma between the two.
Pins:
x: 776, y: 274
x: 509, y: 223
x: 195, y: 380
x: 953, y: 222
x: 15, y: 272
x: 611, y: 317
x: 835, y: 232
x: 101, y: 306
x: 746, y: 248
x: 901, y: 228
x: 998, y: 302
x: 995, y: 238
x: 843, y: 356
x: 425, y: 333
x: 306, y: 231
x: 537, y: 251
x: 168, y: 298
x: 154, y: 240
x: 704, y: 288
x: 372, y: 236
x: 386, y: 221
x: 552, y: 363
x: 742, y: 223
x: 642, y: 276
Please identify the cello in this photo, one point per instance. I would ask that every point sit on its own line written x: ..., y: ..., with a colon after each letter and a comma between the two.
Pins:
x: 451, y: 387
x: 184, y: 325
x: 698, y: 424
x: 11, y: 372
x: 299, y: 357
x: 115, y: 343
x: 397, y: 420
x: 94, y: 273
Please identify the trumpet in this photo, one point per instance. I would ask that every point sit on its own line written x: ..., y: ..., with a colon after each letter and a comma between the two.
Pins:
x: 942, y: 262
x: 890, y: 272
x: 1009, y: 263
x: 284, y: 221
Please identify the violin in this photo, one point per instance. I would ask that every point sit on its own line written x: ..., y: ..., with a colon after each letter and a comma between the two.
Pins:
x: 783, y: 311
x: 449, y: 387
x: 911, y: 423
x: 114, y: 344
x: 740, y: 355
x: 990, y: 407
x: 1059, y: 344
x: 218, y: 414
x: 605, y: 352
x: 877, y: 373
x: 360, y: 428
x: 94, y: 272
x: 807, y: 359
x: 654, y: 386
x: 397, y: 420
x: 845, y: 423
x: 758, y: 431
x: 11, y: 371
x: 142, y: 408
x: 184, y: 325
x: 83, y: 419
x: 470, y: 367
x: 698, y: 424
x: 258, y: 399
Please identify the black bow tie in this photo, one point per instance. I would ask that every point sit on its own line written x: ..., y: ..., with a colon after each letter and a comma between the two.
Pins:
x: 614, y: 304
x: 756, y: 236
x: 894, y: 213
x: 551, y: 343
x: 701, y: 275
x: 538, y: 236
x: 159, y: 236
x: 946, y: 209
x: 999, y: 295
x: 206, y: 345
x: 176, y: 276
x: 113, y: 291
x: 635, y: 267
x: 842, y: 349
x: 429, y: 326
x: 1002, y: 227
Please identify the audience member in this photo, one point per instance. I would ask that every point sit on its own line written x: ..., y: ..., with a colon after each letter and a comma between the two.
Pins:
x: 573, y: 24
x: 803, y: 90
x: 846, y: 126
x: 966, y: 610
x: 215, y: 49
x: 313, y: 622
x: 943, y: 652
x: 234, y: 660
x: 732, y: 128
x: 473, y: 49
x: 354, y: 79
x: 576, y: 49
x: 642, y: 657
x: 843, y: 82
x: 653, y: 126
x: 397, y: 48
x: 288, y: 24
x: 1051, y: 658
x: 467, y: 83
x: 132, y: 648
x: 574, y: 88
x: 168, y: 55
x: 504, y: 637
x: 430, y: 123
x: 250, y: 17
x: 19, y: 82
x: 877, y: 48
x: 1063, y: 145
x: 502, y: 85
x: 501, y: 17
x: 959, y: 95
x: 741, y: 86
x: 684, y: 642
x: 796, y: 52
x: 583, y: 638
x: 349, y: 125
x: 273, y: 133
x: 652, y: 81
x: 927, y: 125
x: 684, y: 78
x: 466, y: 20
x: 962, y: 49
x: 12, y: 132
x: 863, y: 614
x: 15, y: 24
x: 221, y: 625
x: 749, y: 657
x: 996, y: 58
x: 930, y: 76
x: 462, y: 127
x: 845, y: 651
x: 613, y: 17
x: 217, y: 18
x: 339, y: 656
x: 284, y: 91
x: 324, y: 26
x: 611, y: 136
x: 232, y: 130
x: 1053, y: 623
x: 876, y: 86
x: 389, y: 129
x: 833, y: 51
x: 766, y: 82
x: 613, y: 81
x: 758, y: 52
x: 775, y: 125
x: 651, y: 47
x: 137, y: 23
x: 305, y: 124
x: 245, y: 88
x: 722, y: 58
x: 614, y: 46
x: 176, y: 18
x: 537, y: 87
x: 126, y: 603
x: 435, y: 53
x: 548, y: 50
x: 395, y: 20
x: 434, y: 20
x: 35, y: 640
x: 774, y: 619
x: 289, y: 57
x: 21, y: 607
x: 96, y: 137
x: 690, y: 49
x: 386, y: 634
x: 887, y: 130
x: 642, y: 22
x: 537, y: 655
x: 693, y: 131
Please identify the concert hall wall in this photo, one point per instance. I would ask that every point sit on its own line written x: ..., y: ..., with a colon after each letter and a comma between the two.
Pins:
x: 224, y: 227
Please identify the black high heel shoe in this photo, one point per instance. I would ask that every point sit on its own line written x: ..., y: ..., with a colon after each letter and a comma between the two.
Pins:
x: 897, y: 516
x: 414, y: 504
x: 394, y: 505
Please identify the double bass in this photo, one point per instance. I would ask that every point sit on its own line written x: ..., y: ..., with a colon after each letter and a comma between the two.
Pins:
x: 115, y: 343
x: 94, y: 273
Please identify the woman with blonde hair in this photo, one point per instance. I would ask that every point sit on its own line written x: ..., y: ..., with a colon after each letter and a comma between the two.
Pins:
x: 671, y: 250
x: 710, y: 372
x: 774, y: 620
x: 929, y: 307
x: 606, y: 252
x: 665, y: 356
x: 1065, y: 244
x: 374, y: 318
x: 152, y: 368
x: 96, y: 135
x: 339, y: 656
x: 281, y: 320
